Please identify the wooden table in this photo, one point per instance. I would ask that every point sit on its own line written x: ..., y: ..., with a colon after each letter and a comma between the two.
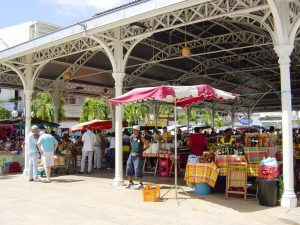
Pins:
x: 148, y: 156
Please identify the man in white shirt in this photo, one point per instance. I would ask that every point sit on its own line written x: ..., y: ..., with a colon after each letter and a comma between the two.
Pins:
x: 89, y: 140
x: 32, y: 152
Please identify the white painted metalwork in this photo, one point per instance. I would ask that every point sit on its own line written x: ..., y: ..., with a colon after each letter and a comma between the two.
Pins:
x: 250, y: 24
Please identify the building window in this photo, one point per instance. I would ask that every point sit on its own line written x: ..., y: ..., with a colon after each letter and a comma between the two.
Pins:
x: 70, y: 100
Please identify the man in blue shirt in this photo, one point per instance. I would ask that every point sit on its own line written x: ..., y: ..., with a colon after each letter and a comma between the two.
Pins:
x: 47, y: 145
x: 32, y: 152
x: 134, y: 162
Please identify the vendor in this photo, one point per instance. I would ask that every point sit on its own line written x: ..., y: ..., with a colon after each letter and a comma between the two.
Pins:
x: 227, y: 139
x: 197, y: 142
x: 166, y: 136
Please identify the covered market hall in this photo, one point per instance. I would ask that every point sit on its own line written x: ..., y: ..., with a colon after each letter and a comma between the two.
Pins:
x: 249, y: 47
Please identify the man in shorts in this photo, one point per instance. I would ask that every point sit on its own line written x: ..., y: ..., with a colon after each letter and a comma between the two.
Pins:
x: 134, y: 162
x: 47, y: 145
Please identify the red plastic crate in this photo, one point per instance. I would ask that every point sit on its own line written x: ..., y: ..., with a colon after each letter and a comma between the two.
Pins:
x: 164, y: 173
x: 164, y: 163
x: 267, y: 172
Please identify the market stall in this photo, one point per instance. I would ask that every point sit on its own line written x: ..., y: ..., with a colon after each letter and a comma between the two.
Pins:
x: 73, y: 150
x: 11, y: 141
x: 10, y: 146
x: 179, y: 96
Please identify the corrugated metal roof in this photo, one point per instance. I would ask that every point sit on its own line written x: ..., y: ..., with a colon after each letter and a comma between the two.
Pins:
x: 122, y: 6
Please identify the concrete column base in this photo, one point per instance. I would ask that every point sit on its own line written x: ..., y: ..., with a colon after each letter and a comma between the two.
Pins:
x: 118, y: 182
x: 289, y: 200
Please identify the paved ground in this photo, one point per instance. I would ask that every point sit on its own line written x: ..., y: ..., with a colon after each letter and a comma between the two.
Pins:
x: 83, y: 200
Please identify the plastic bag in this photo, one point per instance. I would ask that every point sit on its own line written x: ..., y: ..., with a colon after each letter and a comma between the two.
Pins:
x: 270, y: 162
x: 193, y: 159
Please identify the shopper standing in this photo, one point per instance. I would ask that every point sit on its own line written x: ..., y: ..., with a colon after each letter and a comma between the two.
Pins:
x: 32, y: 152
x: 99, y: 149
x: 134, y: 162
x: 111, y: 151
x: 47, y: 145
x: 89, y: 140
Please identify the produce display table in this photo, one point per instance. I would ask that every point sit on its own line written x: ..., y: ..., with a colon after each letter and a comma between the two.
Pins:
x: 256, y: 154
x: 223, y: 160
x: 201, y: 172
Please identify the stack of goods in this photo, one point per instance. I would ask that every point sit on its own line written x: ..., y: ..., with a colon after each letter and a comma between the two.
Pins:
x: 257, y: 147
x: 207, y: 157
x: 260, y: 140
x: 227, y: 149
x: 165, y: 153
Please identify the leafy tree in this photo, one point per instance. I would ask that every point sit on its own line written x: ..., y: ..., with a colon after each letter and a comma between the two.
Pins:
x: 181, y: 118
x: 93, y: 109
x: 219, y: 122
x: 42, y: 107
x: 4, y: 113
x: 203, y: 114
x: 165, y: 109
x: 134, y: 111
x: 61, y: 110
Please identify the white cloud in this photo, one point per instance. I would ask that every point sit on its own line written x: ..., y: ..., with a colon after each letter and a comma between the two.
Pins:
x: 74, y: 8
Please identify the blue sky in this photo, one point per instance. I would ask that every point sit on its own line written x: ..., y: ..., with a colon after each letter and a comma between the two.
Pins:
x: 60, y: 12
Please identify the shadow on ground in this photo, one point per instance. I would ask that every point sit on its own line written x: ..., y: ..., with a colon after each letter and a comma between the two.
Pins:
x: 66, y: 180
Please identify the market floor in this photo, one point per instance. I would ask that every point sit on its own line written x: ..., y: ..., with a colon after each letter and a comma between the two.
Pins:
x: 92, y: 200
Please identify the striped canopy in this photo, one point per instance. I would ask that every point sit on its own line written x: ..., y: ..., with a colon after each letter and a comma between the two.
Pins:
x: 181, y: 95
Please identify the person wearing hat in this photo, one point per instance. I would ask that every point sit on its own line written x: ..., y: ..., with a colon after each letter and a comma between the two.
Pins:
x: 134, y: 162
x: 227, y: 139
x: 32, y: 151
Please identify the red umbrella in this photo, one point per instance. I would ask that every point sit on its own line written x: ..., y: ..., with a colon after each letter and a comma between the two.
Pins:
x: 94, y: 125
x: 181, y: 95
